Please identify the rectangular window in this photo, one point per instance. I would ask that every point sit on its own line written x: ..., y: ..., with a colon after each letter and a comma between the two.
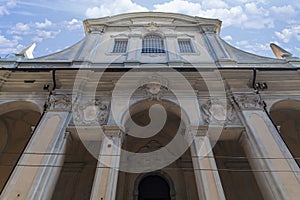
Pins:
x: 185, y: 46
x: 120, y: 46
x: 153, y: 44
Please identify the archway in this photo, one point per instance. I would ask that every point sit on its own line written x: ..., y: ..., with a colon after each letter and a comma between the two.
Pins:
x: 179, y: 174
x: 153, y: 187
x: 17, y: 123
x: 286, y: 116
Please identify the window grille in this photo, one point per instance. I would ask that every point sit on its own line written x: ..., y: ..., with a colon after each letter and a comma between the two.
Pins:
x: 153, y: 44
x: 185, y: 46
x: 120, y: 46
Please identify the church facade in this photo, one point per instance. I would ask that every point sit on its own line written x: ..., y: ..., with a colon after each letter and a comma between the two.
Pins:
x: 150, y: 106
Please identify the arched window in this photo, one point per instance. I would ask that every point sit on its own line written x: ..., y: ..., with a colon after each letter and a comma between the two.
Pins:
x: 153, y: 44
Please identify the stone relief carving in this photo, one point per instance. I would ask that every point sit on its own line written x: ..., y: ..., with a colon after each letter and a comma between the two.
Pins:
x: 92, y: 112
x: 152, y: 27
x: 154, y: 86
x: 217, y: 111
x: 59, y: 102
x: 249, y: 102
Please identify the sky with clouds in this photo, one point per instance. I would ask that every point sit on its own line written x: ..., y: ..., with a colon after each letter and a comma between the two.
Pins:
x: 55, y: 25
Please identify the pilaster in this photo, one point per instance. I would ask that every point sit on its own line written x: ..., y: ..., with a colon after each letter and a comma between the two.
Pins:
x: 172, y: 52
x: 39, y: 167
x: 134, y: 48
x: 106, y: 177
x: 273, y: 165
x: 206, y: 173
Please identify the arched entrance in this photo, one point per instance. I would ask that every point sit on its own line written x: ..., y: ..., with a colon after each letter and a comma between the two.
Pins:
x: 173, y: 181
x: 17, y: 123
x: 153, y: 187
x: 286, y: 116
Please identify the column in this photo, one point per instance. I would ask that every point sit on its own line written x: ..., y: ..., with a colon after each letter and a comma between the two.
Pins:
x: 105, y: 181
x: 36, y: 173
x: 206, y: 173
x: 273, y: 165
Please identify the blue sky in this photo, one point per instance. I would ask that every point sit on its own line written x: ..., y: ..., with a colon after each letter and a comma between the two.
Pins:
x: 54, y: 25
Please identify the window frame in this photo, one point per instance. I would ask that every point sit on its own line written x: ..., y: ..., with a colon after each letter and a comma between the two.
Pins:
x: 191, y: 47
x: 153, y: 48
x: 114, y: 45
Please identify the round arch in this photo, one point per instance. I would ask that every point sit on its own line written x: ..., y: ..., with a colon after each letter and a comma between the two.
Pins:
x: 19, y: 105
x: 156, y: 33
x: 170, y: 106
x: 285, y: 114
x: 161, y: 174
x: 17, y: 121
x: 285, y: 104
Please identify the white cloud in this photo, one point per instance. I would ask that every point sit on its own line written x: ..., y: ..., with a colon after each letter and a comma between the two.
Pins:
x: 10, y: 45
x: 249, y: 14
x: 114, y: 7
x: 252, y: 47
x: 179, y: 6
x: 209, y: 4
x: 11, y: 3
x: 252, y: 9
x: 283, y: 11
x: 42, y: 34
x: 227, y: 38
x: 242, y: 43
x: 72, y: 25
x: 45, y: 24
x: 20, y: 28
x: 229, y: 16
x: 4, y: 9
x: 244, y: 16
x: 259, y: 23
x: 240, y: 1
x: 234, y: 16
x: 289, y: 33
x: 37, y: 31
x: 5, y: 42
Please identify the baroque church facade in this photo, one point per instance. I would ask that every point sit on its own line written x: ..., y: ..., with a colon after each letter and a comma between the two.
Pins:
x: 150, y: 106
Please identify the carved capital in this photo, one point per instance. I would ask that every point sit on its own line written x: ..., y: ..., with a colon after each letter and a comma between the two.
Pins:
x: 96, y: 29
x: 249, y: 102
x: 92, y: 112
x: 59, y: 102
x: 197, y: 130
x: 208, y: 28
x: 113, y: 131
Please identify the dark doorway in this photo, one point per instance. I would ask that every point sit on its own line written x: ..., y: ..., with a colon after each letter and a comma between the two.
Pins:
x: 154, y: 187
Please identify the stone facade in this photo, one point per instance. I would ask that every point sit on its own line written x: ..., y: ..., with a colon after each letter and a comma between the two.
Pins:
x: 197, y: 119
